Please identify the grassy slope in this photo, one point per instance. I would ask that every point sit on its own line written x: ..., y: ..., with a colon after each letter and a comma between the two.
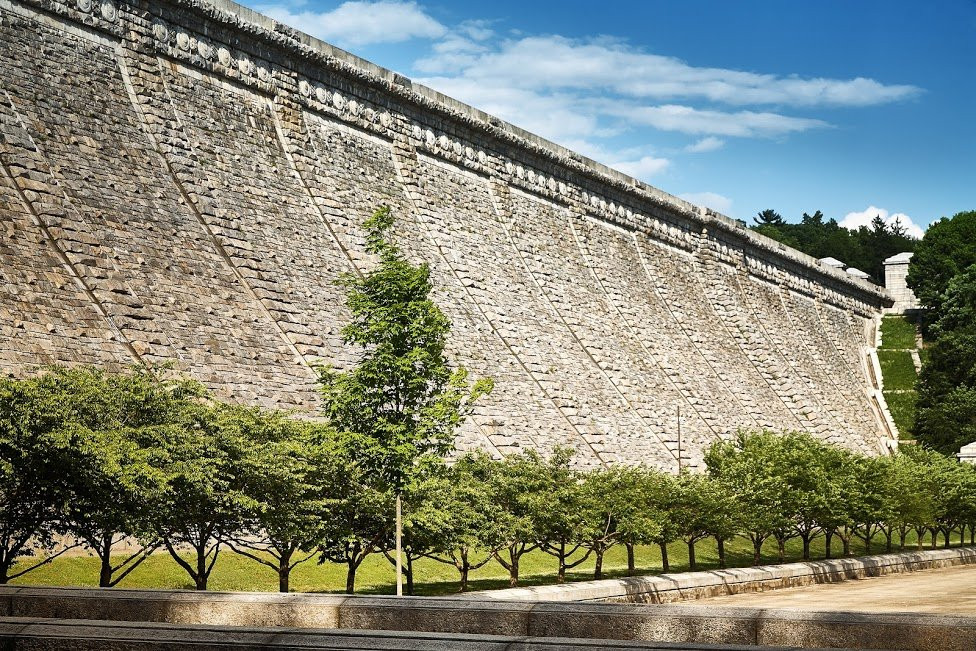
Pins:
x: 898, y: 371
x: 375, y: 576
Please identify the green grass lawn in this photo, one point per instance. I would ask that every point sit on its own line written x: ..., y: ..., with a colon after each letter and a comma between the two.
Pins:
x: 897, y: 332
x: 897, y: 369
x: 902, y: 408
x: 376, y: 576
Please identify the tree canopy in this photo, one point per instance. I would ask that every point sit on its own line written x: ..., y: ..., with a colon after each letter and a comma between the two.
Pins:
x: 865, y: 248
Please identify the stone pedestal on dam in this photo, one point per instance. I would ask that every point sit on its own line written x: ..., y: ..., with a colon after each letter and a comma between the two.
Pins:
x: 183, y: 180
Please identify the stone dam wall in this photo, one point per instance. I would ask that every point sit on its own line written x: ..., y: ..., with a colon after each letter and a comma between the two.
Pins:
x: 183, y: 180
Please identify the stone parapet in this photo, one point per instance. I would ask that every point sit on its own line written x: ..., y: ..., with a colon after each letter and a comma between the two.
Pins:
x: 44, y: 613
x: 685, y: 586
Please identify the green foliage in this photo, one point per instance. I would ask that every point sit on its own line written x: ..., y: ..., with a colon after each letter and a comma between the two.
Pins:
x: 401, y: 400
x: 768, y: 218
x: 902, y: 406
x: 948, y: 249
x: 517, y: 488
x: 78, y: 449
x: 451, y: 517
x: 397, y: 409
x: 289, y: 471
x: 897, y: 332
x: 865, y: 248
x: 897, y: 369
x: 948, y: 422
x: 206, y: 499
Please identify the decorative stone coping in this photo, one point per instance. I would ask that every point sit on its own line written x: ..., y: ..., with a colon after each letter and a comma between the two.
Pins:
x: 667, y: 588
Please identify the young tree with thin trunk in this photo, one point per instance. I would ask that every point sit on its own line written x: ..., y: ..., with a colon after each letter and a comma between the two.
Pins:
x: 517, y: 487
x: 402, y: 402
x: 741, y: 467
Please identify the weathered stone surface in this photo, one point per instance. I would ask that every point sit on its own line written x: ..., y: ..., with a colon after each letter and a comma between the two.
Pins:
x: 81, y: 635
x: 186, y: 180
x: 689, y: 586
x: 418, y: 622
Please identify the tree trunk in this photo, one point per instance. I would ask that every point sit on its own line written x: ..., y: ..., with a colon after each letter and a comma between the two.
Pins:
x: 692, y: 564
x: 513, y: 572
x: 561, y: 573
x: 631, y: 566
x: 806, y: 546
x: 946, y: 533
x: 847, y: 545
x: 721, y: 552
x: 902, y: 534
x: 665, y: 565
x: 408, y: 575
x: 781, y: 548
x: 972, y: 535
x: 284, y: 570
x: 889, y: 534
x: 105, y: 554
x: 598, y: 569
x: 829, y: 538
x: 756, y: 552
x: 201, y: 575
x: 464, y: 569
x: 351, y: 576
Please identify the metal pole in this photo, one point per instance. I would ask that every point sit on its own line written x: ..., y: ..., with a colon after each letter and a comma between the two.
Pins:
x: 399, y: 546
x: 679, y: 439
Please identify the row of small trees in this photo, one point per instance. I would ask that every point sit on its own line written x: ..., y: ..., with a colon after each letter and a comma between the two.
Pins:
x: 135, y: 456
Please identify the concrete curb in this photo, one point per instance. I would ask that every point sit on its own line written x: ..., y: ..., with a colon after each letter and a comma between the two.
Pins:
x: 667, y: 588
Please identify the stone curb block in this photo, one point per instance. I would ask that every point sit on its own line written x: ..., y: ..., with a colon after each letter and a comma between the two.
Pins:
x: 664, y: 588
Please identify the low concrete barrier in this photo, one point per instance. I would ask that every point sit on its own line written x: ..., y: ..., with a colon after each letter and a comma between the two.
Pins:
x: 680, y: 624
x: 685, y: 586
x: 80, y: 635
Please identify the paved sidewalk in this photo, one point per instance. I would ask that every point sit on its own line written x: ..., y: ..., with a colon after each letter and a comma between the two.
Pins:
x: 947, y: 590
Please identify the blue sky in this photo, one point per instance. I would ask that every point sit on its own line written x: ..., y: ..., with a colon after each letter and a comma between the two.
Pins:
x: 852, y: 108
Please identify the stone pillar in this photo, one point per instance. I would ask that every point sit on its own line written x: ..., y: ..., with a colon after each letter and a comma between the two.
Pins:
x: 896, y: 268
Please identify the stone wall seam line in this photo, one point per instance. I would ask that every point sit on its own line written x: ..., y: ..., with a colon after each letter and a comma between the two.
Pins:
x: 813, y: 356
x: 740, y: 278
x: 59, y: 252
x: 681, y: 326
x: 710, y: 266
x: 192, y: 207
x: 423, y: 213
x: 586, y: 257
x: 493, y: 193
x: 701, y: 264
x: 283, y: 142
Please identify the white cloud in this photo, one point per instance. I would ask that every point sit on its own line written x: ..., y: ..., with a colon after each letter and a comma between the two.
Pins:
x: 854, y: 220
x: 709, y: 143
x: 605, y: 64
x: 359, y: 23
x: 642, y: 168
x: 686, y: 119
x: 711, y: 200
